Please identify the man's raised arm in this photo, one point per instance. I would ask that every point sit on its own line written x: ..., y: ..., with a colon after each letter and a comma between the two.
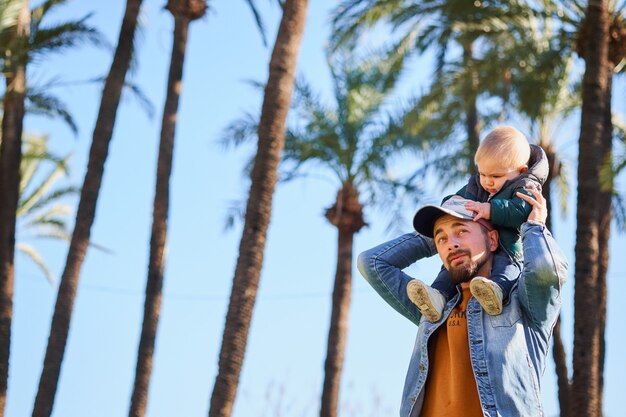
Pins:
x: 545, y: 267
x: 382, y: 267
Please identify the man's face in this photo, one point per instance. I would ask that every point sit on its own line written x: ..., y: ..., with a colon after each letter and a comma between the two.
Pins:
x: 464, y: 247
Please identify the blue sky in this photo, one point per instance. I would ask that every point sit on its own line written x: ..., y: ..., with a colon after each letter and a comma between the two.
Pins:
x: 283, y: 369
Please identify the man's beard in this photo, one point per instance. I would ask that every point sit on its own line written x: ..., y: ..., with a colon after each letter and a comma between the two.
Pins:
x: 465, y: 272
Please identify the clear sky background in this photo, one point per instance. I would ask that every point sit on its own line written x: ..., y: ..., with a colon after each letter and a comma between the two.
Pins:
x: 283, y: 368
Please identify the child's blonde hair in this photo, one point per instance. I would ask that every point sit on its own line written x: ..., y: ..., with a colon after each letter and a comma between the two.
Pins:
x: 504, y: 144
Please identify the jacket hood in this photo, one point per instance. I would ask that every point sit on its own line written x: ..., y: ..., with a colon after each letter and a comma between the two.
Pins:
x: 538, y: 166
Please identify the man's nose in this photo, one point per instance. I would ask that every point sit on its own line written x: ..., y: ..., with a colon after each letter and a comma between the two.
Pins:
x: 453, y: 244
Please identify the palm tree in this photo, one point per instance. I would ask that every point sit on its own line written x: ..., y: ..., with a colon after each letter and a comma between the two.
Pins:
x: 184, y: 11
x: 271, y: 139
x: 22, y: 39
x: 85, y: 215
x: 573, y: 33
x: 354, y: 140
x: 616, y: 58
x: 576, y: 35
x: 443, y: 27
x: 585, y: 384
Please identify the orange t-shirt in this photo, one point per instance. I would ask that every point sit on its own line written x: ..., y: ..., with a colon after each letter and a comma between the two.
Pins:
x: 451, y: 387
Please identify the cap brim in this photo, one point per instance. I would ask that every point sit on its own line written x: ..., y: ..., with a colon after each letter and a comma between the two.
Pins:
x: 424, y: 219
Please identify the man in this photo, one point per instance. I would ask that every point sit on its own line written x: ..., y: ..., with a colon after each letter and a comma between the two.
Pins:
x: 469, y: 363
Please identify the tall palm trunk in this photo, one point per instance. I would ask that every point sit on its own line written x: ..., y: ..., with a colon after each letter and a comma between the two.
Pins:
x: 558, y: 348
x: 347, y: 216
x: 184, y: 11
x: 86, y: 213
x: 471, y: 111
x: 10, y: 159
x: 604, y: 232
x: 271, y: 132
x: 586, y: 380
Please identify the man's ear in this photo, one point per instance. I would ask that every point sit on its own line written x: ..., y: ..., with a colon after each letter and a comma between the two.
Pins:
x: 493, y: 240
x: 523, y: 169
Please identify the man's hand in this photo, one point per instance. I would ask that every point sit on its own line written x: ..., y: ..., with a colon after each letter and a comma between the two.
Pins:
x: 483, y: 210
x: 539, y: 212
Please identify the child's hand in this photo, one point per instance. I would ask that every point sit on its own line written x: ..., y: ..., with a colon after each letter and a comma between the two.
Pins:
x: 483, y: 210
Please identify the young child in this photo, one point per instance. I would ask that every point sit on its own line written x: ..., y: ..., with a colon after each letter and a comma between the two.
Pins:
x: 506, y: 164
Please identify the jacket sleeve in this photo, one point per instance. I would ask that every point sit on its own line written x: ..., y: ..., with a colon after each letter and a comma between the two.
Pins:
x: 382, y: 268
x: 510, y: 213
x: 545, y: 272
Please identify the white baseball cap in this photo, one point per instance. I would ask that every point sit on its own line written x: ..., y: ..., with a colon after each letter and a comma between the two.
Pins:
x: 425, y: 217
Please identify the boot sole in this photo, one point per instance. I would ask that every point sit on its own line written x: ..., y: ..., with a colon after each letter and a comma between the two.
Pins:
x: 419, y: 296
x: 486, y: 297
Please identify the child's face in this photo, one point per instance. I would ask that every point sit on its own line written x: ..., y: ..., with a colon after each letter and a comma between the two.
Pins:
x: 493, y: 176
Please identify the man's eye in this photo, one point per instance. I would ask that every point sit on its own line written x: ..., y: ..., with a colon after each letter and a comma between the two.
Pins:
x: 441, y: 240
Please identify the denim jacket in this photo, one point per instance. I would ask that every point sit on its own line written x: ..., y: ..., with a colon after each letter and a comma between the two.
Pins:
x: 508, y: 352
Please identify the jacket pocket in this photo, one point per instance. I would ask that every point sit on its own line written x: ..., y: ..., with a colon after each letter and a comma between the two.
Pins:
x: 507, y: 319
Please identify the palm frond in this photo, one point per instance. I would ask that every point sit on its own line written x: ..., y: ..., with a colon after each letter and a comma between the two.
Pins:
x: 27, y: 201
x: 9, y: 12
x: 393, y: 196
x: 129, y: 87
x: 240, y: 131
x: 13, y: 35
x: 235, y: 214
x: 138, y: 37
x: 352, y: 17
x: 140, y: 96
x: 33, y: 152
x: 51, y: 220
x: 619, y: 211
x: 34, y: 256
x: 63, y: 36
x: 54, y: 196
x: 42, y: 10
x: 40, y: 212
x: 302, y: 149
x: 258, y: 20
x: 44, y: 104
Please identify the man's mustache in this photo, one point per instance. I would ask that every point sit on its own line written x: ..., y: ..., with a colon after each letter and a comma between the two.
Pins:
x: 456, y: 253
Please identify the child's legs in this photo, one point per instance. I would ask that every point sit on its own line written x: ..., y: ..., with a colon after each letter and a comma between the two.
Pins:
x: 504, y: 272
x: 443, y: 284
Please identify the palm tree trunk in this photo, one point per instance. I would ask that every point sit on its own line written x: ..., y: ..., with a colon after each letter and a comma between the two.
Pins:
x: 154, y: 285
x: 586, y: 380
x: 347, y: 215
x: 604, y: 232
x: 259, y: 208
x: 471, y: 111
x: 560, y: 362
x: 11, y: 155
x: 10, y: 159
x: 338, y: 331
x: 86, y: 213
x: 558, y: 348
